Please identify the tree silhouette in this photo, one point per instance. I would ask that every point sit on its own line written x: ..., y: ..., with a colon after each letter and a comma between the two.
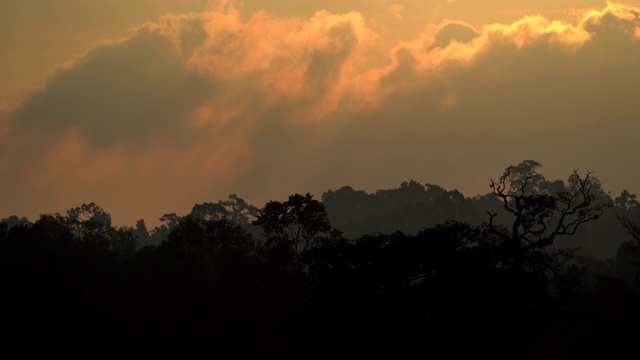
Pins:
x: 142, y: 234
x: 91, y: 223
x: 542, y: 211
x: 159, y: 233
x: 630, y: 247
x: 14, y: 220
x: 452, y: 289
x: 235, y: 209
x: 296, y: 221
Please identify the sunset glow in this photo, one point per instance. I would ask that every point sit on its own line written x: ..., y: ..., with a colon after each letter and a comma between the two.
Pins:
x: 173, y: 102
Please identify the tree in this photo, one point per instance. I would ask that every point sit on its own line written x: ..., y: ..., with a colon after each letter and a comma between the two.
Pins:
x: 626, y: 204
x: 124, y: 242
x: 296, y: 221
x: 159, y: 233
x: 90, y: 223
x: 86, y: 212
x: 142, y: 234
x: 209, y: 237
x: 14, y: 220
x: 235, y: 209
x: 627, y: 200
x: 541, y: 210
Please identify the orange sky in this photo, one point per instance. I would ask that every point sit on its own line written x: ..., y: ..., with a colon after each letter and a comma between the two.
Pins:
x: 147, y: 107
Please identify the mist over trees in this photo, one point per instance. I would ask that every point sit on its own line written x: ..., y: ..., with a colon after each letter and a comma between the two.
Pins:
x: 535, y: 268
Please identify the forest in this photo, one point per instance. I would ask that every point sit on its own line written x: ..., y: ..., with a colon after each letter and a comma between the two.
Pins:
x: 533, y: 269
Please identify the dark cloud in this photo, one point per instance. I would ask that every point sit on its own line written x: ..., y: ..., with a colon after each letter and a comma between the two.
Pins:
x: 453, y: 31
x: 123, y: 93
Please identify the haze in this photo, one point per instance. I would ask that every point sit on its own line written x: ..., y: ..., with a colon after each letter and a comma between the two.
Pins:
x: 147, y: 107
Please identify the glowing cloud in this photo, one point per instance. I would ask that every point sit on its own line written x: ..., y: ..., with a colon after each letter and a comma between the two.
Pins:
x: 206, y: 104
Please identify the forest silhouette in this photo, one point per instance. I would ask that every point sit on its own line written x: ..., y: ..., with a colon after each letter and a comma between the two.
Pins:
x: 534, y: 269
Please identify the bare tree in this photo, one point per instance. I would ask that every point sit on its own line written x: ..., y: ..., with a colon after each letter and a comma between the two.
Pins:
x: 542, y: 211
x: 632, y: 247
x: 632, y: 228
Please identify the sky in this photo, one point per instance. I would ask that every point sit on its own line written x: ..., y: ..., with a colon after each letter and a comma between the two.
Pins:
x: 147, y: 107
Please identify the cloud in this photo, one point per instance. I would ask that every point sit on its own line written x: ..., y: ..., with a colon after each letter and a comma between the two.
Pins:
x: 452, y: 31
x: 194, y: 107
x: 128, y: 91
x: 397, y: 10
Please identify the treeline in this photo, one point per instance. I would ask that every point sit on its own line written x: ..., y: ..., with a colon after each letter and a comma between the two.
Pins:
x: 303, y: 278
